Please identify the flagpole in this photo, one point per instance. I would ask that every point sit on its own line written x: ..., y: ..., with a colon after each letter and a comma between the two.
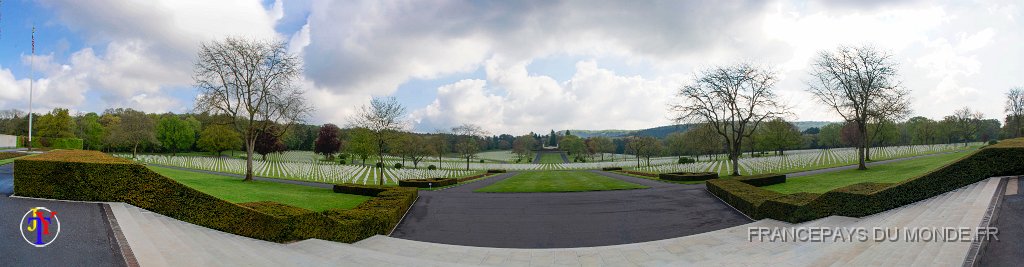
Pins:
x: 32, y: 77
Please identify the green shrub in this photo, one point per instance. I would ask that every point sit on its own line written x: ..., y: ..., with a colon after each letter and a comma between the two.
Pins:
x: 471, y: 177
x: 647, y: 174
x: 398, y: 165
x: 379, y: 164
x: 742, y: 196
x: 688, y: 176
x: 992, y: 142
x: 93, y: 176
x: 431, y: 167
x: 342, y: 161
x: 762, y: 179
x: 496, y: 171
x: 83, y: 175
x: 52, y: 142
x: 481, y: 160
x: 685, y: 160
x: 428, y: 182
x: 611, y: 169
x: 358, y: 189
x: 1001, y: 159
x: 276, y: 209
x: 11, y: 155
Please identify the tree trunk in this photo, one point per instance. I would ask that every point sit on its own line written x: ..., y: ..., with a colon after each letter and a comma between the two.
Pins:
x: 735, y: 163
x: 248, y: 160
x: 861, y: 148
x: 134, y: 149
x: 867, y: 152
x: 467, y: 163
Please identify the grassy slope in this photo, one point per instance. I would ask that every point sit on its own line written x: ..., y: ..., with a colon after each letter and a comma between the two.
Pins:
x: 558, y: 181
x: 885, y: 173
x: 234, y: 190
x: 551, y: 158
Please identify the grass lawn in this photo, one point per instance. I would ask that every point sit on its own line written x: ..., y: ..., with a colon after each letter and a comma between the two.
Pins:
x: 551, y: 158
x: 558, y: 181
x: 234, y: 190
x: 886, y: 173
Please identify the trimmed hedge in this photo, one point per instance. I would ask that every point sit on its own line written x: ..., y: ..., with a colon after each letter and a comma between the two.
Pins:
x: 742, y: 196
x: 93, y: 176
x: 763, y: 179
x: 276, y: 209
x: 857, y: 200
x: 496, y: 171
x: 611, y: 169
x: 639, y: 173
x: 52, y: 142
x: 471, y: 177
x: 11, y: 155
x: 358, y: 189
x: 427, y: 183
x: 688, y: 176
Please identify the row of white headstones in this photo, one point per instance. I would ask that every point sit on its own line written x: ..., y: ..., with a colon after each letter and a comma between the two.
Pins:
x: 331, y: 172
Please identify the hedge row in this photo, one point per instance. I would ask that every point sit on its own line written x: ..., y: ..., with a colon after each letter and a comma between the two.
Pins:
x: 11, y: 155
x: 857, y: 200
x: 93, y: 176
x: 428, y: 183
x: 496, y: 171
x: 52, y: 142
x: 688, y: 176
x: 611, y: 169
x: 471, y: 177
x: 647, y: 174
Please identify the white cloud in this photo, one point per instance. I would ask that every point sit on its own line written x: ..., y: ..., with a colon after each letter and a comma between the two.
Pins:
x: 512, y: 101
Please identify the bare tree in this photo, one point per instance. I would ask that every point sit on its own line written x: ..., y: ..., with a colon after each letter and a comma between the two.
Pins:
x: 468, y: 140
x: 385, y: 119
x: 1015, y: 108
x: 733, y: 100
x: 253, y: 83
x: 966, y: 122
x: 860, y: 84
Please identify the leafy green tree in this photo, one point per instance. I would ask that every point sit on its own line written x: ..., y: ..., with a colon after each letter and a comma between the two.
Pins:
x: 830, y: 135
x: 132, y: 128
x: 675, y: 143
x: 923, y: 131
x: 601, y: 144
x: 219, y: 138
x: 779, y: 135
x: 574, y: 146
x: 57, y: 123
x: 522, y: 146
x: 91, y: 131
x: 175, y: 134
x: 552, y: 139
x: 361, y: 144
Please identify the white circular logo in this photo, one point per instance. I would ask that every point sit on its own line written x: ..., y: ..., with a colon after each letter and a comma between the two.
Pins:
x: 40, y: 226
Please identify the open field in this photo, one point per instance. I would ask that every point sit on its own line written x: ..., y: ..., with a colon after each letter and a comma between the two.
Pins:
x: 234, y: 190
x: 558, y: 181
x: 884, y: 173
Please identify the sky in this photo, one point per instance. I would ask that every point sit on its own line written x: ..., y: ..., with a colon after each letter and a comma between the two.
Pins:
x: 509, y: 66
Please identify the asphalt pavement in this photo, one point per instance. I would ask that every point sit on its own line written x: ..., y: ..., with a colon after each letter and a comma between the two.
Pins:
x: 557, y: 220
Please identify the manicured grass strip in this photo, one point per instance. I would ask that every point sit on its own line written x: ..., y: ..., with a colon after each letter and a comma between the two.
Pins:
x: 234, y: 190
x: 557, y: 181
x: 551, y: 158
x: 885, y: 173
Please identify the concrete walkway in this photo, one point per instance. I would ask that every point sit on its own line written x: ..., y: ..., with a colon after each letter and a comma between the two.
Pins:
x: 1009, y: 249
x: 557, y: 220
x: 7, y: 179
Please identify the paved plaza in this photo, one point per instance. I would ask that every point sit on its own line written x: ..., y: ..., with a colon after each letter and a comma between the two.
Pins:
x: 557, y: 220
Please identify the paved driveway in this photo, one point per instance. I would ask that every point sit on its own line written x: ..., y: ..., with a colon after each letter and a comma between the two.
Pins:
x: 553, y: 220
